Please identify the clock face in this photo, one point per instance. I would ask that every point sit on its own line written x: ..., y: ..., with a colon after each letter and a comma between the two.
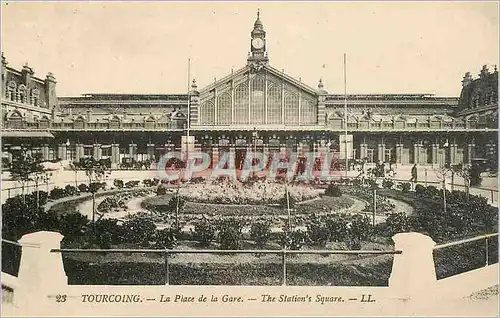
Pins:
x: 257, y: 43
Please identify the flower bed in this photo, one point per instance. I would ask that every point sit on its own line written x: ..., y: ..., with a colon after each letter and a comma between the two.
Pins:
x: 256, y: 193
x: 119, y: 201
x: 383, y: 204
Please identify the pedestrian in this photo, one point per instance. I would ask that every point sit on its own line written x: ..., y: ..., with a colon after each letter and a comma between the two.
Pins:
x: 413, y: 179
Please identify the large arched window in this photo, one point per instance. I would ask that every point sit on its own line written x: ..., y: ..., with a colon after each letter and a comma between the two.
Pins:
x: 257, y: 99
x: 224, y: 109
x: 307, y: 112
x: 15, y: 120
x: 207, y: 114
x: 292, y: 109
x: 274, y: 104
x: 241, y: 104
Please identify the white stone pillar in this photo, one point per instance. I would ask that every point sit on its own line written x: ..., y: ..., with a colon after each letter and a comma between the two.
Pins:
x: 413, y: 273
x: 41, y: 273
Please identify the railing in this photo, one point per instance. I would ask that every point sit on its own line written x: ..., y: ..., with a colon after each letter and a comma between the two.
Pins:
x: 474, y: 239
x: 167, y: 252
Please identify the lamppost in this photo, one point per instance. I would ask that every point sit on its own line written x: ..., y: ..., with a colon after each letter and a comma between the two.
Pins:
x: 254, y: 141
x: 73, y: 165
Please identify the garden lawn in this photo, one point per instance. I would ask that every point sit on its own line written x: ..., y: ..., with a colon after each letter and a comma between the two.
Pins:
x: 241, y: 269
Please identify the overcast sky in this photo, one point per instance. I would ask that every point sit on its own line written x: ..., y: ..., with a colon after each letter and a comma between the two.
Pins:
x: 144, y: 47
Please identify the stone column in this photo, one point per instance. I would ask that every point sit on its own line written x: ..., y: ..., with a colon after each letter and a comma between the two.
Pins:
x: 416, y: 153
x: 453, y: 154
x: 61, y: 151
x: 97, y: 150
x: 399, y: 153
x: 79, y: 152
x: 115, y: 154
x: 151, y: 151
x: 381, y: 152
x: 132, y: 151
x: 435, y: 154
x: 363, y: 151
x: 469, y: 152
x: 45, y: 152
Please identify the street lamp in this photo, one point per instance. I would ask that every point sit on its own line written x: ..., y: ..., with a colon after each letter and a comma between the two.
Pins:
x: 72, y: 165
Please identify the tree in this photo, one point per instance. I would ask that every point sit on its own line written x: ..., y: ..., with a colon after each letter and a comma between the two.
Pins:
x: 441, y: 174
x: 25, y: 168
x: 39, y: 174
x: 464, y: 171
x: 95, y: 171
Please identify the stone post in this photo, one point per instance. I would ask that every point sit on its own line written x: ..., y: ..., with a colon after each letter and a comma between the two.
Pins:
x: 115, y: 155
x: 413, y: 275
x: 41, y: 273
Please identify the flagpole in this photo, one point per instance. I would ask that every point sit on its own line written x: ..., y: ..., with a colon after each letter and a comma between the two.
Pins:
x: 188, y: 112
x: 345, y: 116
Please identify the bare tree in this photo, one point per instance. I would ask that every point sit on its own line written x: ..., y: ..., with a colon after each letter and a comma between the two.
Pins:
x: 464, y: 171
x: 95, y: 171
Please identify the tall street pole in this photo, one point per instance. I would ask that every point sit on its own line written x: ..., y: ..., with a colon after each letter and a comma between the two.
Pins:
x: 345, y: 116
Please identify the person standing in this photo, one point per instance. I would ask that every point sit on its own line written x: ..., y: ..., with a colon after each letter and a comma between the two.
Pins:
x: 413, y: 179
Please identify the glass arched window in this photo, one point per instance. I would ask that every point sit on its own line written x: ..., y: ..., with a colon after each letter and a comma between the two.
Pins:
x: 224, y: 109
x: 292, y: 109
x: 274, y: 104
x: 241, y: 104
x: 207, y: 114
x: 257, y: 100
x: 307, y: 112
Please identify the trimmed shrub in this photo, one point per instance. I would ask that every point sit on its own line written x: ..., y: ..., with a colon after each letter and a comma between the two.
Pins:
x: 73, y: 225
x: 387, y: 183
x: 405, y: 186
x: 132, y: 184
x: 360, y: 229
x: 398, y: 223
x: 71, y: 190
x: 293, y: 240
x: 260, y: 232
x: 318, y: 230
x: 333, y: 190
x: 83, y: 187
x: 161, y: 190
x: 138, y: 231
x: 204, y: 232
x: 337, y: 226
x: 118, y: 183
x: 166, y: 238
x: 230, y: 235
x: 57, y: 193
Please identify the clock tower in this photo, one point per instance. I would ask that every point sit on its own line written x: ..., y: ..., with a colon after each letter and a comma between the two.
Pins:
x: 258, y: 56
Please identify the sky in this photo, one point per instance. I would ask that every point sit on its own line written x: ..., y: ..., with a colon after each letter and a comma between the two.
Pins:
x: 143, y: 47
